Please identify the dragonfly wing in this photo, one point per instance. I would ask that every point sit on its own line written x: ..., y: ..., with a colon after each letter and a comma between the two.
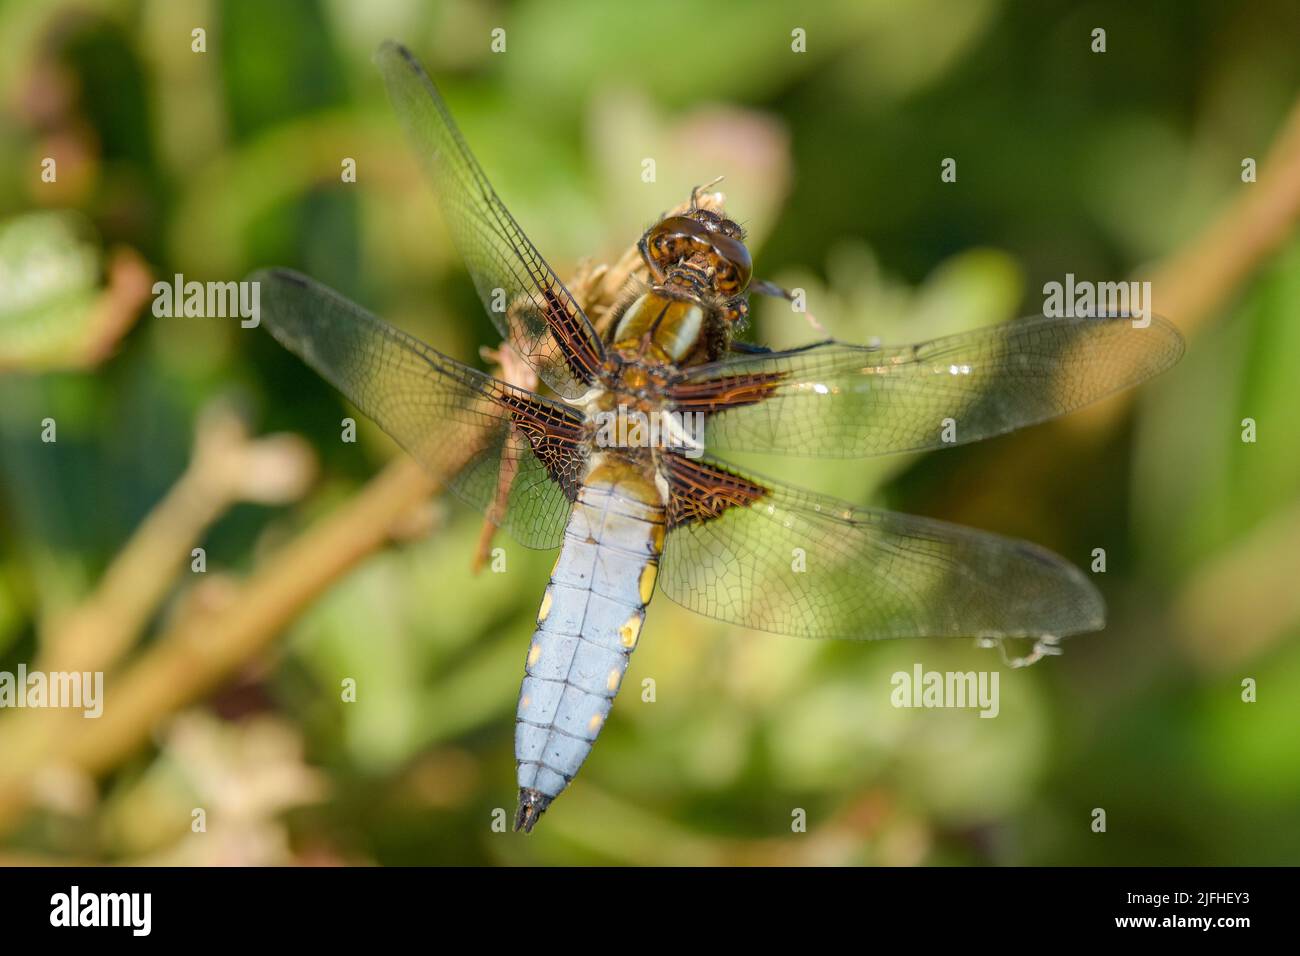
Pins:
x: 436, y: 407
x: 528, y: 303
x: 846, y: 401
x: 777, y: 558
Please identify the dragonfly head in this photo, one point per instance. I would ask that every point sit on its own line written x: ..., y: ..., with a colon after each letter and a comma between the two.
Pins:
x: 702, y: 240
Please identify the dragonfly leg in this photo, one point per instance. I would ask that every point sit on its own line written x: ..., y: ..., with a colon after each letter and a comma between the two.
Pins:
x: 763, y: 287
x: 643, y: 247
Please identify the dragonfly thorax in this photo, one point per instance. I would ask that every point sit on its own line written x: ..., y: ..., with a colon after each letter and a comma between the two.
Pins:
x: 663, y: 328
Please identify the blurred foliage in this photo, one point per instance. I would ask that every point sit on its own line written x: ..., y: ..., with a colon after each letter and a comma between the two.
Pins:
x: 47, y: 286
x: 212, y: 164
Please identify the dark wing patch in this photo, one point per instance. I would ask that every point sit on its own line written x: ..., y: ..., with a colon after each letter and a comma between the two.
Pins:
x: 794, y: 562
x: 847, y: 401
x: 554, y: 434
x: 701, y: 491
x: 527, y: 302
x: 434, y: 407
x: 725, y: 391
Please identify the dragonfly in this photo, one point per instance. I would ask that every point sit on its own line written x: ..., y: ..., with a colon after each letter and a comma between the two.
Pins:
x: 616, y: 457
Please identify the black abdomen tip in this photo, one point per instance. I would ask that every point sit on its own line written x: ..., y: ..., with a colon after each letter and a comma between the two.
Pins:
x: 532, y: 804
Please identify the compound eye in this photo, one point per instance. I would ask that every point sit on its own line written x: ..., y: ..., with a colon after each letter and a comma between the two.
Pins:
x: 679, y: 227
x: 673, y: 238
x: 734, y: 253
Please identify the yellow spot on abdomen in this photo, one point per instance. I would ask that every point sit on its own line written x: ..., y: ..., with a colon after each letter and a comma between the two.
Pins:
x: 525, y: 702
x: 547, y: 598
x: 611, y: 682
x: 593, y: 725
x: 534, y: 654
x: 629, y: 631
x: 657, y: 538
x: 646, y: 585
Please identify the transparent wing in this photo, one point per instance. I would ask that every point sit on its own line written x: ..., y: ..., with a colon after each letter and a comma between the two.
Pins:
x: 526, y: 300
x: 448, y: 416
x: 781, y: 559
x: 845, y: 401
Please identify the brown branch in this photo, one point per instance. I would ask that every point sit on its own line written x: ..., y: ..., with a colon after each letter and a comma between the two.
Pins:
x: 227, y: 467
x: 199, y: 653
x: 1200, y: 278
x: 1244, y: 600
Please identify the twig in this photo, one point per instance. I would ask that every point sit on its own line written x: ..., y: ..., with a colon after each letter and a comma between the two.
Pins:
x: 1199, y: 279
x: 197, y: 654
x: 227, y: 467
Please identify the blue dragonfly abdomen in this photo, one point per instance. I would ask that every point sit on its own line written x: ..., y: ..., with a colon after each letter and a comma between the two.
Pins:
x: 587, y: 628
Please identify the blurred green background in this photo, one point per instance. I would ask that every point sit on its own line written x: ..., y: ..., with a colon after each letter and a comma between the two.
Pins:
x: 211, y: 164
